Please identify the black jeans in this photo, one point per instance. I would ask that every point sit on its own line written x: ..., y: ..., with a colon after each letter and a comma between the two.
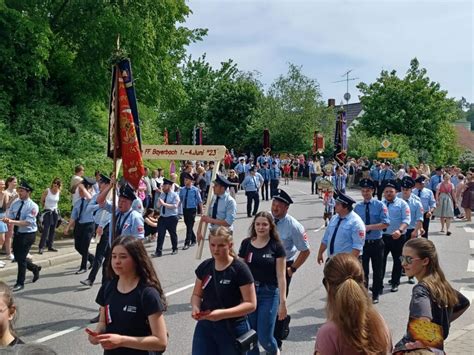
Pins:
x: 101, y: 250
x: 22, y: 243
x: 167, y: 224
x: 50, y: 220
x: 393, y: 246
x: 273, y: 187
x: 426, y: 225
x: 374, y: 252
x: 83, y: 233
x: 252, y: 196
x: 189, y: 215
x: 264, y: 189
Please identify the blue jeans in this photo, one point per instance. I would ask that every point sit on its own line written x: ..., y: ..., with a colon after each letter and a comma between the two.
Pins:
x: 264, y: 318
x: 214, y: 338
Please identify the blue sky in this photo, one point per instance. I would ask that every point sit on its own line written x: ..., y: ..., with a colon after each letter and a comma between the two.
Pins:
x: 328, y: 38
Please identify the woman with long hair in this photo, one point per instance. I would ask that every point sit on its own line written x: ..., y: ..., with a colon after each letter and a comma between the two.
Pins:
x: 3, y: 208
x: 223, y: 295
x: 12, y: 196
x: 7, y: 317
x: 434, y: 302
x: 263, y: 252
x: 445, y: 202
x: 131, y: 304
x: 353, y: 326
x: 49, y: 203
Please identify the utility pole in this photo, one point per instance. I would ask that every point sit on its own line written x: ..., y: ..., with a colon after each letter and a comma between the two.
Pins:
x: 347, y: 95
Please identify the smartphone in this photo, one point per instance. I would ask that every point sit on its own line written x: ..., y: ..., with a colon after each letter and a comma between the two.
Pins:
x: 91, y: 332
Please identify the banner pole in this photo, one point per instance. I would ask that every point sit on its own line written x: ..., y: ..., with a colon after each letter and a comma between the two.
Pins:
x: 116, y: 143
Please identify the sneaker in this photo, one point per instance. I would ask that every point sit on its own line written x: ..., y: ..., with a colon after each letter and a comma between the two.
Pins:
x: 2, y: 264
x: 40, y: 251
x: 157, y: 254
x: 53, y: 249
x: 174, y: 252
x: 186, y: 247
x: 86, y: 282
x: 394, y: 288
x: 80, y: 271
x: 411, y: 280
x: 375, y: 300
x: 11, y: 257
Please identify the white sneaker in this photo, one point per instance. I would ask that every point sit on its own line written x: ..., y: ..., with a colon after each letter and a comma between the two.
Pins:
x: 29, y: 256
x: 93, y: 241
x: 2, y: 264
x: 11, y: 257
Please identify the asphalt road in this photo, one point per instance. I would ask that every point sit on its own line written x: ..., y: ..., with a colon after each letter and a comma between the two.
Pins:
x: 55, y: 310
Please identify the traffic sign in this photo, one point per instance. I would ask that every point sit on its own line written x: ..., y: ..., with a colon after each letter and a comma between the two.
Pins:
x: 386, y: 143
x: 387, y: 155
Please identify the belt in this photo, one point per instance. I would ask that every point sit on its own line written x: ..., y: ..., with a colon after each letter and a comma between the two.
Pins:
x: 373, y: 241
x: 389, y: 235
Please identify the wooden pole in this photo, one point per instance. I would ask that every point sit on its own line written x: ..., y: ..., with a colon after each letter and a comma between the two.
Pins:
x: 209, y: 199
x: 116, y: 144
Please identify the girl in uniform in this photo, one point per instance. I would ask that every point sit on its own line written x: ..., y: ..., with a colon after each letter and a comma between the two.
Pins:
x: 263, y: 252
x: 7, y: 315
x: 434, y: 303
x: 224, y: 293
x: 131, y: 303
x: 354, y: 325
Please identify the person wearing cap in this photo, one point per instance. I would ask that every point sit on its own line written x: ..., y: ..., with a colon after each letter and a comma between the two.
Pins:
x: 386, y: 174
x: 241, y: 169
x: 297, y: 249
x: 375, y: 216
x: 339, y: 179
x: 102, y: 224
x: 49, y: 202
x: 82, y: 221
x: 22, y: 216
x: 167, y: 204
x: 374, y: 175
x: 275, y: 174
x: 190, y: 201
x: 428, y: 202
x: 264, y: 171
x: 394, y: 235
x: 223, y: 209
x: 345, y: 232
x: 251, y: 185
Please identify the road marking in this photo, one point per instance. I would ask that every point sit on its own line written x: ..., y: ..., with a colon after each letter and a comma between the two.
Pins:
x: 58, y: 334
x: 178, y: 290
x: 322, y: 227
x: 469, y: 294
x: 469, y: 229
x: 471, y: 244
x: 470, y: 266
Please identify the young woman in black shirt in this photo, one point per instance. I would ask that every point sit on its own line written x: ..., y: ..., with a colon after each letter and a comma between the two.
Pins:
x: 266, y: 258
x: 223, y: 295
x: 131, y: 304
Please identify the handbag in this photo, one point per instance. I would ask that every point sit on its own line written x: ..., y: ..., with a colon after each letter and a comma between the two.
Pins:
x: 246, y: 341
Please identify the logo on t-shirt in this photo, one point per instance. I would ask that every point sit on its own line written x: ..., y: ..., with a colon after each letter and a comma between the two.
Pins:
x: 130, y: 309
x: 224, y: 282
x: 267, y: 256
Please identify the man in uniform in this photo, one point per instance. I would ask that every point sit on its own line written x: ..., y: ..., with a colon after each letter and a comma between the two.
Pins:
x: 374, y: 174
x: 241, y: 170
x: 428, y: 202
x: 222, y: 210
x: 295, y: 241
x: 345, y: 232
x: 265, y: 172
x: 339, y: 179
x: 251, y: 185
x: 168, y: 221
x: 375, y: 216
x: 190, y: 200
x: 275, y: 174
x: 393, y: 236
x: 22, y: 216
x: 386, y: 174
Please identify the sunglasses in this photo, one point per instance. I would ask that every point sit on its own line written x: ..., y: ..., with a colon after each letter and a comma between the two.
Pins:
x: 405, y: 259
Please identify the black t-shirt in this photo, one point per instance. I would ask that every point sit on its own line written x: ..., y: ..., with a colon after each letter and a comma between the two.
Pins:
x: 262, y: 261
x: 127, y: 313
x: 228, y: 282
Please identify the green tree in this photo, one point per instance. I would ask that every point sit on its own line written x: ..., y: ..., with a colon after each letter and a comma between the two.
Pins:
x: 414, y: 107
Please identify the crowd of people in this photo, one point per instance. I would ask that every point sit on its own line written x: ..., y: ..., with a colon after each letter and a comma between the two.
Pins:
x: 239, y: 298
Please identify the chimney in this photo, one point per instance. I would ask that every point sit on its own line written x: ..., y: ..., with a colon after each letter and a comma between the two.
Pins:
x: 331, y: 102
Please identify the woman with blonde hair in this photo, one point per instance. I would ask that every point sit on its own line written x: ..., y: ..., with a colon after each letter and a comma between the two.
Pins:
x: 434, y: 302
x: 445, y: 202
x: 353, y: 326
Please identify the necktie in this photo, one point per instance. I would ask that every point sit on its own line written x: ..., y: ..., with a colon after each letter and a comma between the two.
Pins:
x: 384, y: 174
x: 163, y: 208
x: 331, y: 245
x: 17, y: 216
x: 367, y: 215
x: 80, y: 209
x: 276, y: 220
x: 419, y: 193
x: 186, y: 198
x: 214, y: 208
x: 118, y: 227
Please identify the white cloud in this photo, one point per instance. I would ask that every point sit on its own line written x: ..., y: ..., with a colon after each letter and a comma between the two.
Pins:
x: 329, y: 37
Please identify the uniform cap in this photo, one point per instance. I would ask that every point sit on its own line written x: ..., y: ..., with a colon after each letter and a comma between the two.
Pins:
x: 407, y: 182
x: 25, y: 186
x: 104, y: 179
x: 283, y: 197
x: 253, y: 168
x: 367, y: 183
x: 344, y: 199
x: 391, y: 183
x: 127, y: 192
x: 187, y: 176
x: 420, y: 179
x: 220, y: 180
x: 167, y: 181
x: 88, y: 181
x: 241, y: 158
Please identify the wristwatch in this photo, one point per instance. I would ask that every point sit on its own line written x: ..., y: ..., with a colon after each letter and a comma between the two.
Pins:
x: 293, y: 269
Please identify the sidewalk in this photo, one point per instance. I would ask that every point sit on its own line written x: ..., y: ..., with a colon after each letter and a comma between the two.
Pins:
x: 66, y: 253
x: 460, y: 341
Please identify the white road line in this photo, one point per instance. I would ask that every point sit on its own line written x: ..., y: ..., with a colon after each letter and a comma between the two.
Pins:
x: 470, y: 266
x: 178, y: 290
x: 469, y: 229
x: 322, y: 227
x: 468, y: 293
x: 56, y: 335
x: 471, y: 244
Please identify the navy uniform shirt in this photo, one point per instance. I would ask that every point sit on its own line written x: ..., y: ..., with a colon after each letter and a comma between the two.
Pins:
x: 375, y: 174
x: 275, y: 173
x: 170, y: 197
x: 252, y: 182
x: 378, y: 213
x: 86, y: 216
x: 293, y: 236
x: 435, y: 181
x: 386, y: 175
x: 398, y: 212
x: 101, y: 216
x: 416, y: 209
x: 350, y: 234
x: 240, y: 168
x: 189, y: 197
x: 28, y: 213
x: 226, y: 210
x: 265, y: 172
x: 129, y: 223
x: 427, y: 198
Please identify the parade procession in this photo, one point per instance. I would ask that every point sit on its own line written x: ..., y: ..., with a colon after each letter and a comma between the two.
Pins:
x: 189, y: 207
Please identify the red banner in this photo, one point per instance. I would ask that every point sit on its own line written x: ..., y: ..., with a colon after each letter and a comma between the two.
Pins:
x: 133, y: 169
